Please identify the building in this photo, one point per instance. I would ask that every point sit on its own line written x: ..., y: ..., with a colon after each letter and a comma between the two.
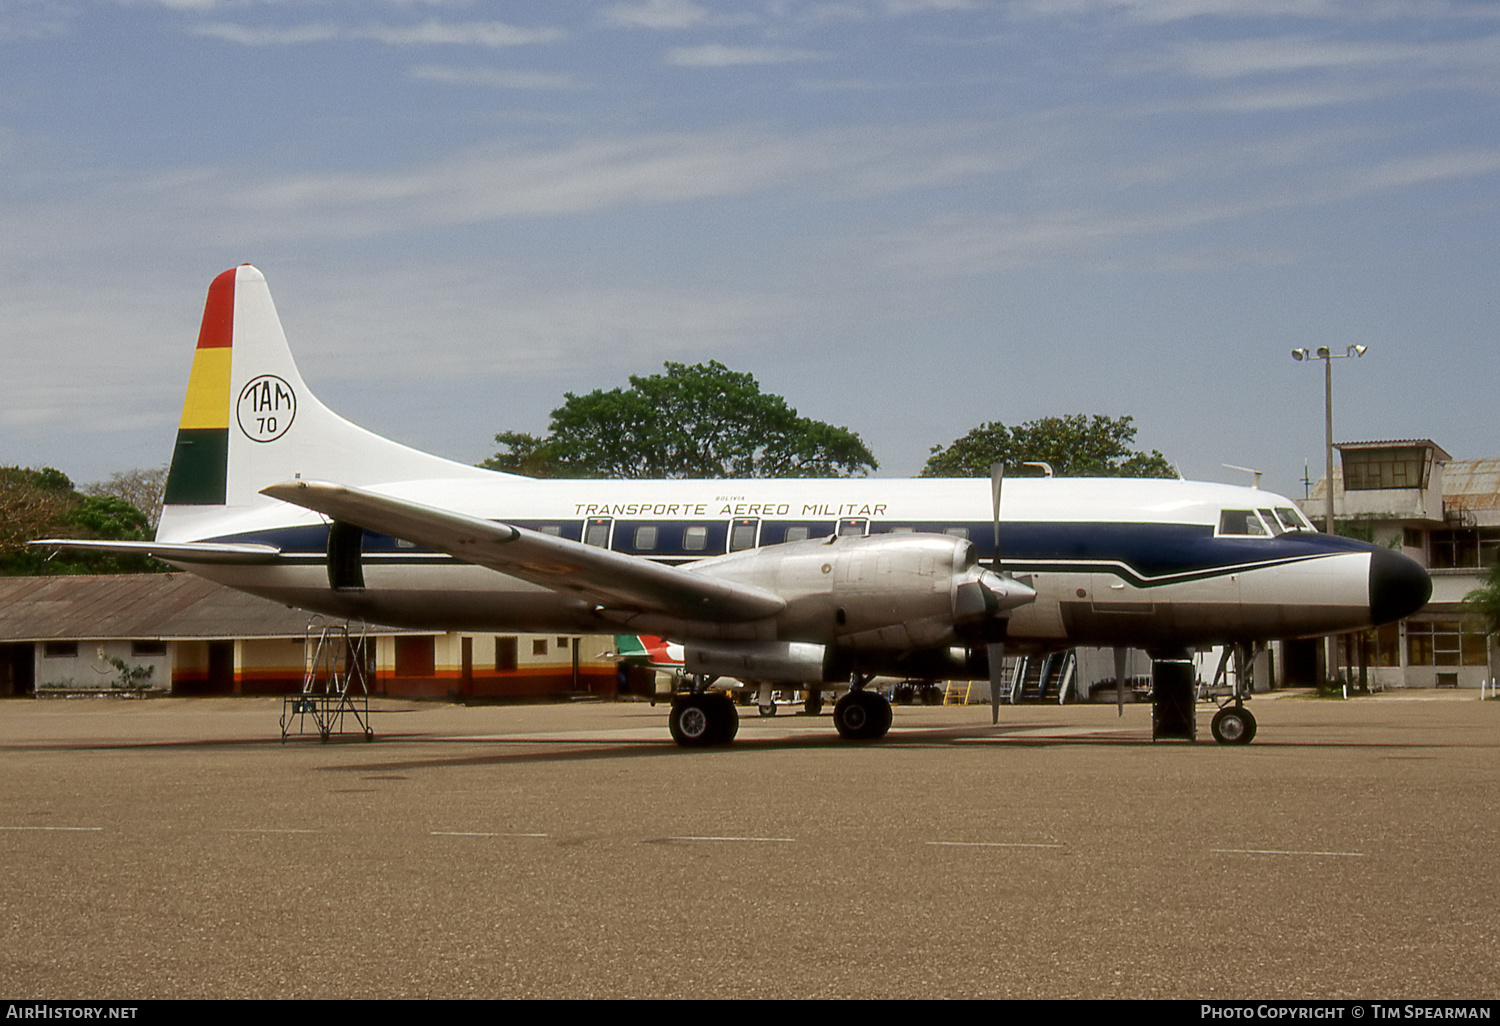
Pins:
x: 182, y: 634
x: 1411, y: 495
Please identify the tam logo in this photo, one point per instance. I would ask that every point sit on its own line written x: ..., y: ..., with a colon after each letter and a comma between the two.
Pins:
x: 266, y: 407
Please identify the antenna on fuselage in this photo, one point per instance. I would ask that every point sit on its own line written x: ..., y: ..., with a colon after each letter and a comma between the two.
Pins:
x: 1248, y: 470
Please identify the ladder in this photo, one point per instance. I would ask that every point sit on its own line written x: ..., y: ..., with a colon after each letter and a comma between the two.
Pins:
x: 333, y: 682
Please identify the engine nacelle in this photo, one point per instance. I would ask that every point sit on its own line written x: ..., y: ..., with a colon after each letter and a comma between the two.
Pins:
x: 758, y: 660
x: 887, y: 592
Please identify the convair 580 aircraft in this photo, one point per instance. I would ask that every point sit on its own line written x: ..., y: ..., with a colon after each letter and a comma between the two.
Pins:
x: 797, y: 581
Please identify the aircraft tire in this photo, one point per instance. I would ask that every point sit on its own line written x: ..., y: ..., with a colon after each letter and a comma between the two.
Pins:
x: 768, y: 710
x: 1233, y: 725
x: 728, y: 724
x: 692, y: 721
x: 862, y: 716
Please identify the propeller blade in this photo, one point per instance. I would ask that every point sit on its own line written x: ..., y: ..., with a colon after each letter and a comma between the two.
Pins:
x: 997, y: 481
x: 1122, y: 655
x: 996, y: 653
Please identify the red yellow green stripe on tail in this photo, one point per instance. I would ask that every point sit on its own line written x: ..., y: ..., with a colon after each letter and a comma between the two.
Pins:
x: 200, y: 459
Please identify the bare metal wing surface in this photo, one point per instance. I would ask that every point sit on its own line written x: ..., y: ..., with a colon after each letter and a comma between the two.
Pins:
x: 606, y: 578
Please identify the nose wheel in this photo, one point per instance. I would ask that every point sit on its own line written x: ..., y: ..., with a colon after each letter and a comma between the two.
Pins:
x: 1233, y: 725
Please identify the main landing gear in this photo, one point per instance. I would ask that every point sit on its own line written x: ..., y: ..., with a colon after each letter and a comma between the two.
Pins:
x: 861, y: 715
x: 700, y: 717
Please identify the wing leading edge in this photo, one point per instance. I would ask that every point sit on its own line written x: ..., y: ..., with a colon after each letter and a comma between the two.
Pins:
x: 609, y: 579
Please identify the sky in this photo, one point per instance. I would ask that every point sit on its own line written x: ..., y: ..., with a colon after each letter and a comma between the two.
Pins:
x: 908, y: 217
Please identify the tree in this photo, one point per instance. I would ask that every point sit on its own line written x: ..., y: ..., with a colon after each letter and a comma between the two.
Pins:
x: 1074, y: 446
x: 699, y: 421
x: 1485, y: 600
x: 141, y: 487
x: 44, y: 503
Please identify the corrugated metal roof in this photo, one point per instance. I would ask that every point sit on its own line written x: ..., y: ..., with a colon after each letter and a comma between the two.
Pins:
x: 139, y: 607
x: 1472, y: 484
x: 1439, y: 452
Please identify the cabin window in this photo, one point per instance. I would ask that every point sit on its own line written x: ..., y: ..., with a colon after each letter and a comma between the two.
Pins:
x: 957, y: 532
x: 852, y: 528
x: 796, y: 534
x: 505, y: 655
x: 742, y: 535
x: 1241, y: 522
x: 645, y: 538
x: 552, y: 530
x: 597, y: 534
x: 695, y: 539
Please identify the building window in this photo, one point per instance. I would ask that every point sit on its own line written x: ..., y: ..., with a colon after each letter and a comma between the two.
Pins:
x: 1370, y: 469
x: 60, y: 649
x: 539, y: 646
x: 505, y: 655
x: 1382, y: 647
x: 414, y: 656
x: 1465, y: 548
x: 146, y: 649
x: 1446, y: 642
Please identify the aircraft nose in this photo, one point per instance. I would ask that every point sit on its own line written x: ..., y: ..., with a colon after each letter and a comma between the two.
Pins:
x: 1398, y: 586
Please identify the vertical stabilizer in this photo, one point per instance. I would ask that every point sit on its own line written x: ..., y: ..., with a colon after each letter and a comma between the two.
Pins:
x: 249, y: 420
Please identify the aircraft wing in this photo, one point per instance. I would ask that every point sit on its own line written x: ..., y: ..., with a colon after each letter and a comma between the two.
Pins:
x: 176, y: 552
x: 610, y: 579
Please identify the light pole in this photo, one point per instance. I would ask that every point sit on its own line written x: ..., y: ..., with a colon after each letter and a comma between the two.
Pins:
x: 1323, y: 353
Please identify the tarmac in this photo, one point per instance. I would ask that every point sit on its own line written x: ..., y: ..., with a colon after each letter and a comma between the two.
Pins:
x: 178, y: 848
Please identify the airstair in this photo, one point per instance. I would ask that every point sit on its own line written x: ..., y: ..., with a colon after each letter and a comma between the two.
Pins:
x: 334, y: 684
x: 1048, y: 678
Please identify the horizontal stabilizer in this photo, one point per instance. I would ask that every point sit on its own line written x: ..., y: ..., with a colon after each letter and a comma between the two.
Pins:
x: 609, y: 579
x: 172, y: 552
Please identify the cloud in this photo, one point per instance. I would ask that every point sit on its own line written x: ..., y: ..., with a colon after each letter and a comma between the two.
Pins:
x: 494, y: 78
x: 1226, y: 59
x: 719, y: 55
x: 429, y: 33
x: 657, y: 14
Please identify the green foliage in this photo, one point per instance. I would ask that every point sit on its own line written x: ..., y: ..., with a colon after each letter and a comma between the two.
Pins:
x: 43, y: 503
x: 700, y: 421
x: 1485, y: 601
x: 1075, y: 446
x: 131, y: 677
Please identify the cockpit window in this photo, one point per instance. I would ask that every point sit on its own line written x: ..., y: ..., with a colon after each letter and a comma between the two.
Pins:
x: 1292, y: 519
x: 1241, y: 522
x: 1269, y: 519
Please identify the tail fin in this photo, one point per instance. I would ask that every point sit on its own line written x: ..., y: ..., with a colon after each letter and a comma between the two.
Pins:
x: 249, y: 420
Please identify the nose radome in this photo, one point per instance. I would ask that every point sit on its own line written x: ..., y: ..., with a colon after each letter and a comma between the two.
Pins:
x: 1398, y: 586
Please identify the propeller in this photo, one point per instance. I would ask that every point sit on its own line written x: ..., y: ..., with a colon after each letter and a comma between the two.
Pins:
x: 995, y: 650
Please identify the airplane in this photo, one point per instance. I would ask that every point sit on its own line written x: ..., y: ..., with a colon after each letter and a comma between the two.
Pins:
x: 796, y: 582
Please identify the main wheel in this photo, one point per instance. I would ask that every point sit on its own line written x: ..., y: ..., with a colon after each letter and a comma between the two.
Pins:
x: 1233, y: 725
x: 700, y: 720
x: 691, y: 721
x: 769, y: 709
x: 726, y: 720
x: 862, y: 716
